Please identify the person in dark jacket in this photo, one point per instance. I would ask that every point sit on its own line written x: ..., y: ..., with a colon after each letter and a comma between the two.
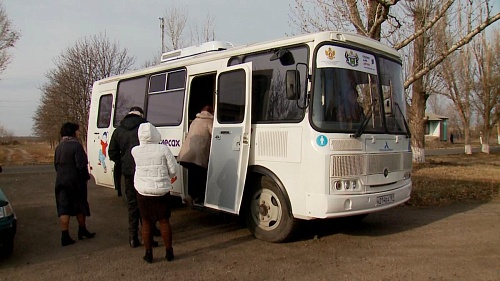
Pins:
x: 70, y: 162
x: 117, y: 178
x: 123, y: 139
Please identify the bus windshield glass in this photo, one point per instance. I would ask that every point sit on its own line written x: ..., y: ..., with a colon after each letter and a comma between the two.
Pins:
x: 346, y: 91
x: 391, y: 77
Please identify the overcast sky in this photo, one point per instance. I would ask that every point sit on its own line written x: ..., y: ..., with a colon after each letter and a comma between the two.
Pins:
x: 49, y: 27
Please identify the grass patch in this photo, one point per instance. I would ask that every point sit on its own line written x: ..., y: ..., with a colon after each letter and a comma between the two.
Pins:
x: 449, y: 179
x: 30, y: 153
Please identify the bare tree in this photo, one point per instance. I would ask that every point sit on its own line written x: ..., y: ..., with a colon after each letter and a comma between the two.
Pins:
x: 457, y: 71
x: 437, y: 104
x: 8, y: 37
x: 487, y: 95
x: 6, y: 136
x: 380, y: 19
x: 154, y: 60
x: 205, y: 33
x: 176, y: 20
x: 66, y: 95
x: 175, y: 23
x: 363, y: 17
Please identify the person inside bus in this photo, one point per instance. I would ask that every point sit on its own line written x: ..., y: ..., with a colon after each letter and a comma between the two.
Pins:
x: 345, y: 108
x: 195, y: 152
x: 155, y: 173
x: 351, y: 111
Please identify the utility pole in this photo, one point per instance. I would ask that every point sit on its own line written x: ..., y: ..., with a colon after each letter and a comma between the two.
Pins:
x: 162, y: 28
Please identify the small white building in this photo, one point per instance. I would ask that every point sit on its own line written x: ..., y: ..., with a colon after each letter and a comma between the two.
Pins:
x: 436, y: 126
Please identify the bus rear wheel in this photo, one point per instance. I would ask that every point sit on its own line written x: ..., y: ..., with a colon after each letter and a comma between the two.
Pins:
x: 268, y: 216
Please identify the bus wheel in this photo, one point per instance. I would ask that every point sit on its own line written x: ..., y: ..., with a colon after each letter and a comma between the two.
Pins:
x: 268, y: 216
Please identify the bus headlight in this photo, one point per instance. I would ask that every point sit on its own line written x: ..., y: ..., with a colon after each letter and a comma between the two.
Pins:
x: 407, y: 175
x: 344, y: 185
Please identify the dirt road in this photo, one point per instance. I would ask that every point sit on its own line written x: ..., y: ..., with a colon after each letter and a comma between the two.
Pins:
x: 459, y: 242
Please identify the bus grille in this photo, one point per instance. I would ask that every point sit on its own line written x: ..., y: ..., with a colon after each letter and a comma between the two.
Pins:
x: 369, y: 164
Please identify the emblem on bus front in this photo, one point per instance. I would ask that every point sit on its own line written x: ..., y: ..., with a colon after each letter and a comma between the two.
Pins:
x: 330, y: 54
x: 351, y: 58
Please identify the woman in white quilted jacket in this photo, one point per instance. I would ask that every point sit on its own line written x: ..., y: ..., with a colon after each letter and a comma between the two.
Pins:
x: 154, y: 175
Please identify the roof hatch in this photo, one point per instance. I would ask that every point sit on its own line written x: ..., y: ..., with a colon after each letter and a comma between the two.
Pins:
x: 211, y: 46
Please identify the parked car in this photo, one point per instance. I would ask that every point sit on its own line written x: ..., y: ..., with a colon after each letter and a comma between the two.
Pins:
x: 8, y: 225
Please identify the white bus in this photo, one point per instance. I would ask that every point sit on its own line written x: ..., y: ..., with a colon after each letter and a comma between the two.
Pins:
x: 306, y: 127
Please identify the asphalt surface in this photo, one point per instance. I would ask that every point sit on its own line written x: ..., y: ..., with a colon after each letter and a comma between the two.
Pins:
x: 459, y: 242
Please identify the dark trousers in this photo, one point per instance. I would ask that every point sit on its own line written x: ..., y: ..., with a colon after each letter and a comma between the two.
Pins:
x: 117, y: 178
x: 133, y: 208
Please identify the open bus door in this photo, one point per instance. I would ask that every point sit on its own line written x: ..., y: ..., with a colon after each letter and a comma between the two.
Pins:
x: 230, y: 146
x: 99, y: 132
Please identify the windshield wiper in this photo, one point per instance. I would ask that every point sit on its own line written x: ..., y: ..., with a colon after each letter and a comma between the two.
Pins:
x: 364, y: 123
x: 407, y: 133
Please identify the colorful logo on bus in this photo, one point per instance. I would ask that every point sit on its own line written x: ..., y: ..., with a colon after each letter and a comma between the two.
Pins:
x: 321, y: 140
x: 102, y: 151
x: 330, y: 53
x: 351, y: 58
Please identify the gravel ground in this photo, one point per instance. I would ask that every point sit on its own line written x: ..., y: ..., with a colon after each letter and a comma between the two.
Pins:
x: 456, y: 242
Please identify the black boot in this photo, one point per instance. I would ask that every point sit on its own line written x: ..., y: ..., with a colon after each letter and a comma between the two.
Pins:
x: 83, y: 232
x: 66, y: 239
x: 148, y: 257
x: 169, y: 254
x: 134, y: 242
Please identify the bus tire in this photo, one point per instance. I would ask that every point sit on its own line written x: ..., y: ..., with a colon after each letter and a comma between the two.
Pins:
x: 267, y: 214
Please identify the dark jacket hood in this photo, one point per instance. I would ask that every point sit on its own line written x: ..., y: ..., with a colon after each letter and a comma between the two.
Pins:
x: 132, y: 121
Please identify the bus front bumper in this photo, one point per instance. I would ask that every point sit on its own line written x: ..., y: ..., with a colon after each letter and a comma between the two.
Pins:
x: 331, y: 206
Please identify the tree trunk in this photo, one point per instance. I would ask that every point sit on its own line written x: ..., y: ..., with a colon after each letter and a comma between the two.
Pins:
x: 468, y: 146
x: 485, y: 145
x: 498, y: 132
x: 418, y: 94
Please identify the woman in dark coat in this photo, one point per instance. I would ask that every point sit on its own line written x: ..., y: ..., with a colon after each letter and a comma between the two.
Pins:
x: 70, y: 161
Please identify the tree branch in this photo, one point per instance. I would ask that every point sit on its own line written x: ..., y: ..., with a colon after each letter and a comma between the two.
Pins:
x: 454, y: 47
x: 426, y: 27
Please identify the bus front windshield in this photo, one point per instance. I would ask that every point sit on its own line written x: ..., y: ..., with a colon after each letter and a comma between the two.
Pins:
x: 347, y: 93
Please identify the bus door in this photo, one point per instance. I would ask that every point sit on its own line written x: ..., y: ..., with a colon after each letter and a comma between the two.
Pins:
x: 99, y: 133
x: 230, y: 146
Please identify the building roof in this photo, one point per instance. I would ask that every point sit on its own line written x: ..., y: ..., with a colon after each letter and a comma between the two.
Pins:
x: 434, y: 117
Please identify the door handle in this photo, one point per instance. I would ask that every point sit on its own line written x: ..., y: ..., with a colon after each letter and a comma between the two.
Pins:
x: 236, y: 143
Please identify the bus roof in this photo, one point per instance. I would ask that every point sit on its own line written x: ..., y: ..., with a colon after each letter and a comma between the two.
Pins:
x: 230, y: 51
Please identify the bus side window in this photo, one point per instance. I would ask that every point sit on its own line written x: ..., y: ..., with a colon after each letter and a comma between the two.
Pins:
x: 104, y: 113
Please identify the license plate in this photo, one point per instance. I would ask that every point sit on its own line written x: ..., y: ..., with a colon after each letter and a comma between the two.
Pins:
x: 386, y: 199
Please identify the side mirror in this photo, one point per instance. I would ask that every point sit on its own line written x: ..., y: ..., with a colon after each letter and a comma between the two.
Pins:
x: 292, y: 82
x: 285, y: 57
